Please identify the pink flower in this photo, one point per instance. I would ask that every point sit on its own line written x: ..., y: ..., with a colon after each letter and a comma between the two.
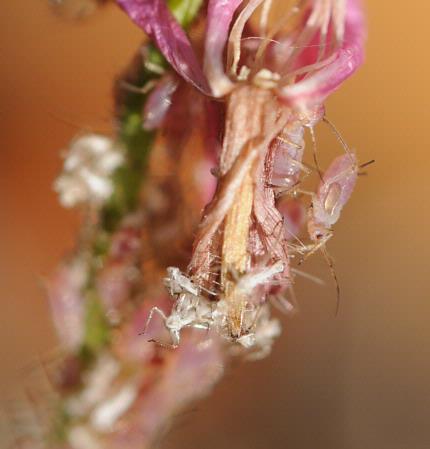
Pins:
x: 324, y: 49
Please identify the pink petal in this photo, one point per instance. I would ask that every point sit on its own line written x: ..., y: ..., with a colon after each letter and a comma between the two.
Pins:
x: 67, y: 304
x: 316, y: 88
x: 235, y: 38
x: 188, y: 373
x: 126, y: 242
x: 154, y: 17
x: 114, y: 283
x: 220, y: 15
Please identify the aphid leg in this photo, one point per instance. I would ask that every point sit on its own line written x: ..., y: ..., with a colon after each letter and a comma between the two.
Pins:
x: 280, y: 191
x: 305, y: 192
x: 313, y: 248
x: 154, y: 309
x: 303, y: 167
x: 164, y: 345
x: 314, y: 152
x: 330, y: 263
x: 203, y: 326
x: 139, y: 90
x: 308, y: 276
x: 321, y: 245
x: 283, y: 304
x: 209, y: 292
x: 174, y: 334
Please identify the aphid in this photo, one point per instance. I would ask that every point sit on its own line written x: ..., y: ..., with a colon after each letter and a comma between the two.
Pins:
x: 287, y: 158
x: 188, y: 311
x: 259, y: 276
x: 293, y: 212
x: 260, y: 331
x: 332, y: 194
x: 177, y: 283
x: 158, y: 103
x: 266, y: 330
x: 237, y: 318
x: 288, y: 149
x: 193, y: 310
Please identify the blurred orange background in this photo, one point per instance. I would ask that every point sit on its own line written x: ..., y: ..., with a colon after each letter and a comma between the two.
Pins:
x: 361, y: 380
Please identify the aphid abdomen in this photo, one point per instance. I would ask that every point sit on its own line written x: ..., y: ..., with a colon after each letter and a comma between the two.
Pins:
x: 288, y: 151
x: 335, y: 189
x: 294, y: 215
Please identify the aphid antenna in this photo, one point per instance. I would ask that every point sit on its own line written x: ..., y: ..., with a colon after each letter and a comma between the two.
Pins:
x: 338, y: 135
x: 364, y: 173
x: 365, y: 164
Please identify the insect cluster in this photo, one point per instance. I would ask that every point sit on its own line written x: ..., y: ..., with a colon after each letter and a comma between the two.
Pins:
x: 268, y: 279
